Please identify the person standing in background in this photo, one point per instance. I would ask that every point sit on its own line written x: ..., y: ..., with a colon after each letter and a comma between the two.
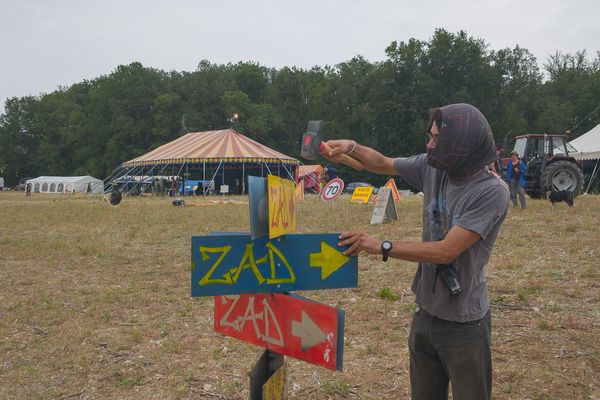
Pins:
x: 515, y: 174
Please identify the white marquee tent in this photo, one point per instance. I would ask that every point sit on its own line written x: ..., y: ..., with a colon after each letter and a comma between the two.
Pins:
x: 588, y: 151
x: 587, y: 145
x: 66, y: 184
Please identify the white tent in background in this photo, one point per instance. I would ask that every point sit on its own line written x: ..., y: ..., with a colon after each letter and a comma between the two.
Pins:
x: 587, y: 145
x: 66, y: 184
x: 588, y: 151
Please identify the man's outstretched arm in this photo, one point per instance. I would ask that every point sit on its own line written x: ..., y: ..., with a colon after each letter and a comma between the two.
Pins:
x: 373, y: 160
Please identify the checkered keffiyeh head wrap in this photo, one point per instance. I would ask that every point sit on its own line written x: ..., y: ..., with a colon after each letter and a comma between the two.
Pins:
x: 465, y: 144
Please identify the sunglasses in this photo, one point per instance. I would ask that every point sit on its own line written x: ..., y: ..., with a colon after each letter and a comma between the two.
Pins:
x: 434, y: 137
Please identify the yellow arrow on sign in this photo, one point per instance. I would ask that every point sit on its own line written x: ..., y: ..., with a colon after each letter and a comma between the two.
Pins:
x: 329, y: 259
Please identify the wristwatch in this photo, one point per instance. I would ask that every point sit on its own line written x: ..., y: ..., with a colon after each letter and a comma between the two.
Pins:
x: 386, y: 246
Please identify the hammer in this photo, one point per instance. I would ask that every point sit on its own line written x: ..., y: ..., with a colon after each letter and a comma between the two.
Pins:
x: 313, y: 145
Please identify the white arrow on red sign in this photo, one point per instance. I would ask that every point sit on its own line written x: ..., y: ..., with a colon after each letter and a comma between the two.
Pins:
x: 309, y: 333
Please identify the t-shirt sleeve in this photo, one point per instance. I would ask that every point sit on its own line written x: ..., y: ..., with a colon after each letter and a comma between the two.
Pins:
x: 486, y: 211
x: 412, y: 170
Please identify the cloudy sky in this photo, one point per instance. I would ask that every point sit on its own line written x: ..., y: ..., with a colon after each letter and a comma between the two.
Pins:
x: 45, y: 44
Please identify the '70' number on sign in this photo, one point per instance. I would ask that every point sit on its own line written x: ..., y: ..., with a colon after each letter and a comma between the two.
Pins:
x: 332, y: 190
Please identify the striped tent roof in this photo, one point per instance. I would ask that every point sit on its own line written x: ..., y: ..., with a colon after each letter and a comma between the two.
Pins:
x: 226, y: 145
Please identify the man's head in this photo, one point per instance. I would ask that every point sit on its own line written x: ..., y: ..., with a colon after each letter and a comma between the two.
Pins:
x: 514, y: 155
x: 460, y: 140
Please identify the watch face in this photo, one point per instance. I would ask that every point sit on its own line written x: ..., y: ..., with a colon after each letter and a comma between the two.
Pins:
x: 386, y: 245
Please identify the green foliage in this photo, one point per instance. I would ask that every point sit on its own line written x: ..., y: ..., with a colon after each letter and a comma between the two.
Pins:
x: 388, y: 294
x: 336, y: 388
x: 93, y: 126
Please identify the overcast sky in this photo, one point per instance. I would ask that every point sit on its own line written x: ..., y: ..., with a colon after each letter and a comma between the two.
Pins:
x: 45, y: 44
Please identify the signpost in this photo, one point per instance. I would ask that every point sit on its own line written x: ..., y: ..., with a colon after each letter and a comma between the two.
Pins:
x: 287, y: 324
x: 268, y: 377
x: 232, y: 264
x: 251, y: 273
x: 276, y: 386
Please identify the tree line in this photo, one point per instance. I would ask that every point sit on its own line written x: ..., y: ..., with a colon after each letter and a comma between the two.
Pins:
x: 93, y: 126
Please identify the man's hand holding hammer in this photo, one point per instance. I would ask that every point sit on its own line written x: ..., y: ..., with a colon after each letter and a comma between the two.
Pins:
x: 337, y: 147
x: 313, y: 146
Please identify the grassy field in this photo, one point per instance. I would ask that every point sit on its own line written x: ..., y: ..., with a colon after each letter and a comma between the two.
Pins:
x: 95, y: 302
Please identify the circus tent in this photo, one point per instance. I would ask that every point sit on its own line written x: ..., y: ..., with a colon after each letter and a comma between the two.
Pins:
x: 202, y: 162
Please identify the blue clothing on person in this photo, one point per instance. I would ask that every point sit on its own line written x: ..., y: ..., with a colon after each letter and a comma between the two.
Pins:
x: 520, y: 173
x: 515, y: 174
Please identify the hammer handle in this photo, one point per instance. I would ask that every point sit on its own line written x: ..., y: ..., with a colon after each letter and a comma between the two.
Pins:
x: 344, y: 158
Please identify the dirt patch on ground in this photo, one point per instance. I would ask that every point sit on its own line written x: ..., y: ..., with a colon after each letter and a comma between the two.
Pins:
x: 95, y: 303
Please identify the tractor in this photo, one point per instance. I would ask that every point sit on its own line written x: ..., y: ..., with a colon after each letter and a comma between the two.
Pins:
x: 549, y: 166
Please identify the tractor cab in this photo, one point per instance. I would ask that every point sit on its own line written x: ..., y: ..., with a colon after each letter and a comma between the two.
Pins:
x: 549, y: 166
x: 549, y: 147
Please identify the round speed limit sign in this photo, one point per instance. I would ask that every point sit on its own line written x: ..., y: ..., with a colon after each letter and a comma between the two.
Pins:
x: 332, y: 190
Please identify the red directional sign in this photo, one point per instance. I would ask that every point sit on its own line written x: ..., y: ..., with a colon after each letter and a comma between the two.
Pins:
x: 286, y: 324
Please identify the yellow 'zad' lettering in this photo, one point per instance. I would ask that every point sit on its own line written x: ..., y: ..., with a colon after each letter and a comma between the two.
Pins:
x: 274, y: 279
x: 248, y: 261
x: 249, y: 255
x: 206, y: 278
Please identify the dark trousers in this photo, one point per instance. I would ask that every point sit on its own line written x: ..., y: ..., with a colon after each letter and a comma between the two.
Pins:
x: 444, y: 351
x: 517, y: 190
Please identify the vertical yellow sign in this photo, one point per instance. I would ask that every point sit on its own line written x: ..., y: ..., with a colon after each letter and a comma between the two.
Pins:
x: 275, y: 387
x: 282, y: 206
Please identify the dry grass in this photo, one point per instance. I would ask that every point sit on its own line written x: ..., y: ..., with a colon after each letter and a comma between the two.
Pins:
x: 95, y: 303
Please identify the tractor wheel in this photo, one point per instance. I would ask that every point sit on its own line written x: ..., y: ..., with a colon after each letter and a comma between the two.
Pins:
x: 562, y: 175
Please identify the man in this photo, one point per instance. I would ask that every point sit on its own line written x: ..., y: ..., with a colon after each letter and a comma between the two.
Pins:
x: 515, y: 173
x: 115, y: 196
x: 497, y: 165
x: 464, y: 206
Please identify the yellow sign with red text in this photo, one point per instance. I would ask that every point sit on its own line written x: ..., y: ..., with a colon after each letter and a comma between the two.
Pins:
x: 361, y: 194
x: 281, y: 195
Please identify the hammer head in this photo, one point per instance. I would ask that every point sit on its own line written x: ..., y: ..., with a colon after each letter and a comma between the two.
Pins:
x: 311, y: 140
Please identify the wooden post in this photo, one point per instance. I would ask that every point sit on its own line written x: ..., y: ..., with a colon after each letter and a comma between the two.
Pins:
x: 268, y: 363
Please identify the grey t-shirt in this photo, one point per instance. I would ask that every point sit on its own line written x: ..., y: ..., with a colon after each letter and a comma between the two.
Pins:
x: 478, y: 204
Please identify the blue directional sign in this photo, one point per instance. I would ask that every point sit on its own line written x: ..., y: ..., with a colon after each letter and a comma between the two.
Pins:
x: 235, y: 264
